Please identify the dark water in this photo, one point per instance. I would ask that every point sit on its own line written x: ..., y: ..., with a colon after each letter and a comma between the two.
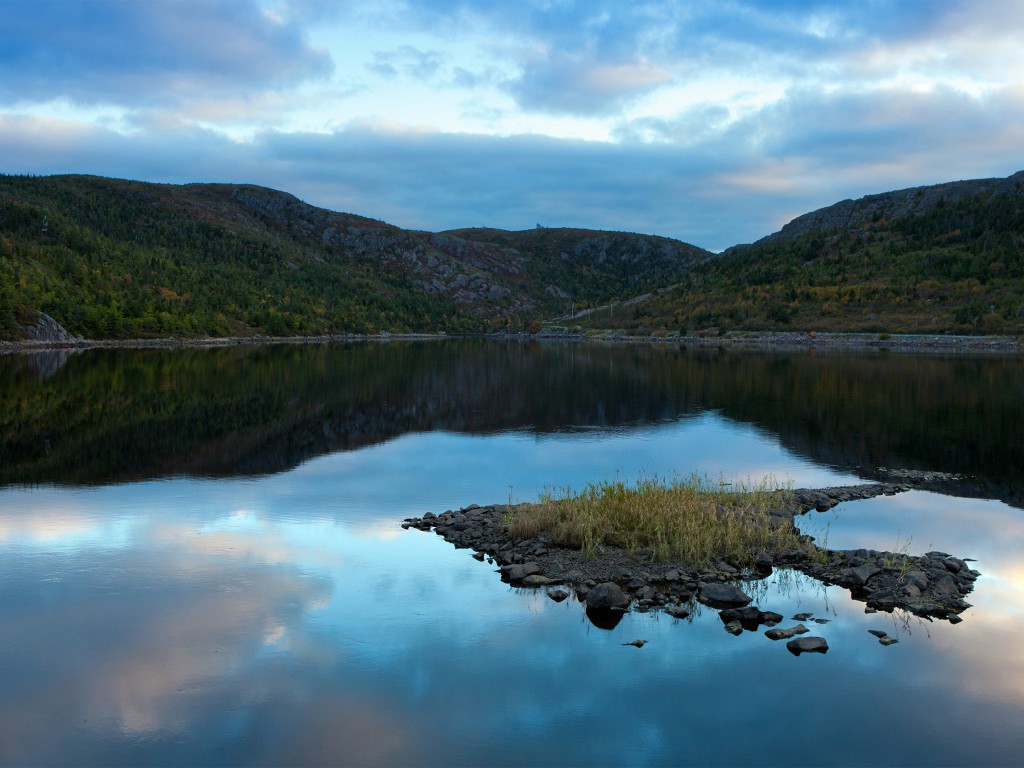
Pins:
x: 200, y: 561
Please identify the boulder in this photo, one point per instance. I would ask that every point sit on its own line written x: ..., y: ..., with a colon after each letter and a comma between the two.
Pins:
x: 607, y: 596
x: 807, y: 645
x: 859, y: 576
x: 719, y: 595
x: 747, y: 615
x: 518, y: 572
x: 785, y: 634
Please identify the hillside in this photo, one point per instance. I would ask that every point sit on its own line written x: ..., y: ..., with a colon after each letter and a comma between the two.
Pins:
x: 108, y: 258
x: 604, y: 265
x: 938, y: 259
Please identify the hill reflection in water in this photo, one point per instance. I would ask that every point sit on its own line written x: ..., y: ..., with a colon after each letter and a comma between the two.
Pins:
x: 115, y: 415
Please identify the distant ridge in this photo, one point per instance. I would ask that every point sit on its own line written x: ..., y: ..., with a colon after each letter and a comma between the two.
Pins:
x: 114, y: 259
x: 852, y: 215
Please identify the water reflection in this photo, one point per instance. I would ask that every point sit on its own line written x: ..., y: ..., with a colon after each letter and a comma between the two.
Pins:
x: 118, y: 415
x: 286, y: 619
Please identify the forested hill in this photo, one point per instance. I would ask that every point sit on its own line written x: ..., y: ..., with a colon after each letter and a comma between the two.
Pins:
x: 108, y: 258
x: 948, y: 258
x: 854, y: 215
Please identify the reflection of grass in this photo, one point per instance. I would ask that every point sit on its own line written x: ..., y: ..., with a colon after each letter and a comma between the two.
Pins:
x: 696, y: 520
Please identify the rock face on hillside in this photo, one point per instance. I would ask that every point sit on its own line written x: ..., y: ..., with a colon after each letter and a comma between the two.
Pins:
x: 49, y: 331
x: 855, y: 214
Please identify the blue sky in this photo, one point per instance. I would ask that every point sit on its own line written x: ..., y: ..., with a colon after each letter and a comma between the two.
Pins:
x: 713, y: 122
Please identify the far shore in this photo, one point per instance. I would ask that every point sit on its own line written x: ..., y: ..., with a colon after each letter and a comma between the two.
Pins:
x: 771, y: 340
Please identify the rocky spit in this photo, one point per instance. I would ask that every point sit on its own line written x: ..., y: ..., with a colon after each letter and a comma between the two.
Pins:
x: 613, y: 581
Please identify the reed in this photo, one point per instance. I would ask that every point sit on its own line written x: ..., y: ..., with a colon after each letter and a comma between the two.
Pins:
x: 694, y: 519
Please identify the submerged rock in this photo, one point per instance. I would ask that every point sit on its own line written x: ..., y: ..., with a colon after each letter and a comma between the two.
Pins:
x: 785, y: 634
x: 677, y: 611
x: 807, y: 645
x: 734, y: 627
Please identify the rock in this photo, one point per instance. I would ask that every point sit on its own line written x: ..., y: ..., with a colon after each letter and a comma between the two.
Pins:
x: 954, y: 564
x: 607, y: 596
x: 637, y: 643
x: 672, y: 575
x: 784, y: 634
x: 677, y: 611
x: 518, y: 572
x: 878, y: 633
x: 802, y: 616
x: 478, y: 556
x: 821, y: 621
x: 647, y: 593
x: 558, y: 595
x: 944, y: 585
x: 537, y: 580
x: 770, y: 618
x: 807, y: 645
x: 888, y: 640
x: 859, y: 576
x: 734, y: 627
x: 747, y: 615
x: 719, y: 595
x: 46, y: 329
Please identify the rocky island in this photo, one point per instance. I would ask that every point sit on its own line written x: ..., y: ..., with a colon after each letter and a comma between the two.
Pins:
x: 612, y: 580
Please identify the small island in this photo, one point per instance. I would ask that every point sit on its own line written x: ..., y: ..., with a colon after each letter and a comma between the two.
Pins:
x: 661, y: 545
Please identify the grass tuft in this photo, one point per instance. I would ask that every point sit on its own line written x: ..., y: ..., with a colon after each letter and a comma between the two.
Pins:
x: 696, y: 520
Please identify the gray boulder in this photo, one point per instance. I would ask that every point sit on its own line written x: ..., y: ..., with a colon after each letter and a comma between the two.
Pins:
x: 807, y: 645
x: 719, y: 595
x: 785, y: 634
x: 607, y: 596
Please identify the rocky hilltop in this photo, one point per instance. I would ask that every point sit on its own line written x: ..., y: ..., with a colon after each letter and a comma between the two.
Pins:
x: 854, y: 215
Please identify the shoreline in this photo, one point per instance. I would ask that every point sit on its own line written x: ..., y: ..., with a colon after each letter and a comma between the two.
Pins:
x: 740, y: 340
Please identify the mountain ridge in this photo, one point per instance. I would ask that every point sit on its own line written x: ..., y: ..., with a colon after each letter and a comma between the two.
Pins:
x: 113, y: 258
x: 897, y: 204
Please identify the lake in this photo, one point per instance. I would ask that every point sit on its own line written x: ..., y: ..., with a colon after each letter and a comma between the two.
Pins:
x: 201, y: 558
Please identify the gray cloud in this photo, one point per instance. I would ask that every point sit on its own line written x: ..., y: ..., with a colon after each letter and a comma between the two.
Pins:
x: 561, y: 82
x: 115, y: 51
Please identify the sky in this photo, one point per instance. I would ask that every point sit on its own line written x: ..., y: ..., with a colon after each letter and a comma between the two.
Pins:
x: 711, y: 121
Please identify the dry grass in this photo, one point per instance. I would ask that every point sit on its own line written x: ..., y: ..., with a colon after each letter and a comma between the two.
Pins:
x: 695, y: 519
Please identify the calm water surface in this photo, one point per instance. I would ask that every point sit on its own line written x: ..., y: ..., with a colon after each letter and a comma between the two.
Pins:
x: 201, y: 563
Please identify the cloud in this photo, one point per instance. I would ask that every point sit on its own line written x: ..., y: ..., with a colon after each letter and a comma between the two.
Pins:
x: 581, y: 84
x: 115, y: 51
x: 407, y: 60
